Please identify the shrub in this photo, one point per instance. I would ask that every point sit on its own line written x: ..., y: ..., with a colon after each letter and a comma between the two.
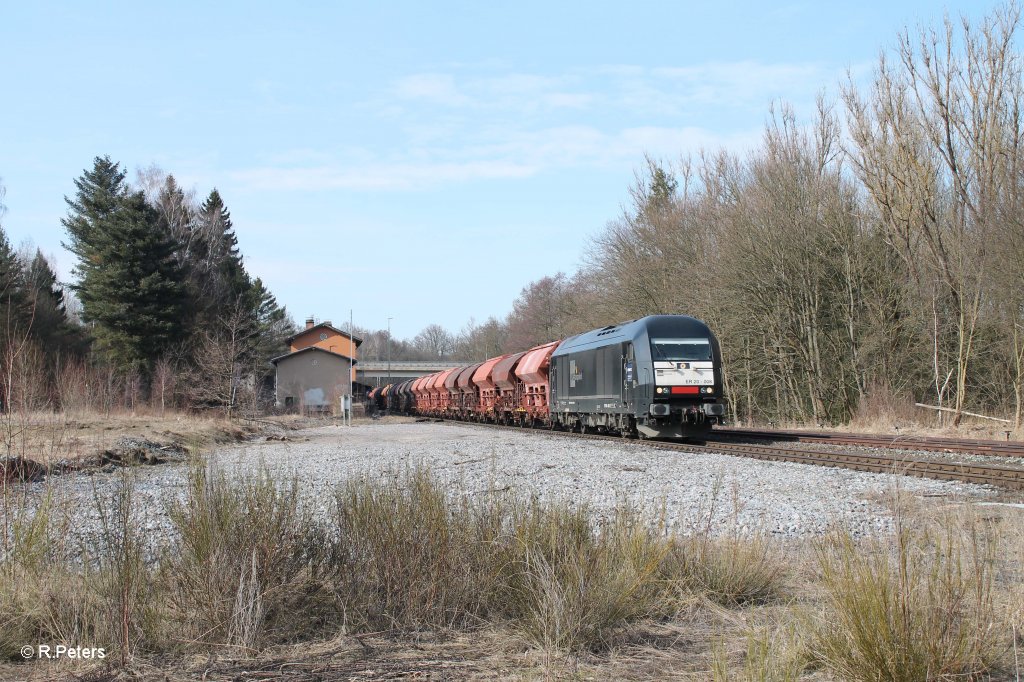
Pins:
x: 920, y: 610
x: 410, y: 556
x: 730, y: 570
x: 243, y: 570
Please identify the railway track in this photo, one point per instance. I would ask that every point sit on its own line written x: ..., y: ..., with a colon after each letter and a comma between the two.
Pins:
x: 989, y: 448
x: 970, y: 472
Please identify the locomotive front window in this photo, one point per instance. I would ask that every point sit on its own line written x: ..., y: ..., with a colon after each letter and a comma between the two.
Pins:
x: 680, y: 350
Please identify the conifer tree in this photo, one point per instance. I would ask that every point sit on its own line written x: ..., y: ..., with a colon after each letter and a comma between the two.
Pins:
x: 45, y: 299
x: 128, y: 280
x: 11, y: 285
x: 229, y: 272
x: 99, y: 193
x: 274, y: 323
x: 14, y: 314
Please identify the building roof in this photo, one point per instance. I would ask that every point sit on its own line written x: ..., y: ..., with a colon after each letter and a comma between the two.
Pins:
x: 324, y: 325
x: 312, y: 348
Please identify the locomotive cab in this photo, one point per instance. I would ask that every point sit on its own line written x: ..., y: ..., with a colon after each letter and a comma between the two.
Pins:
x: 657, y: 377
x: 685, y: 391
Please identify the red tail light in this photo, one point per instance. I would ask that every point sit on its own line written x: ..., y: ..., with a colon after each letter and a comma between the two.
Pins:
x: 685, y: 389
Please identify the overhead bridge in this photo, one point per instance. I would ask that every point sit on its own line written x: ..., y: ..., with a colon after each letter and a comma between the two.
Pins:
x: 381, y: 372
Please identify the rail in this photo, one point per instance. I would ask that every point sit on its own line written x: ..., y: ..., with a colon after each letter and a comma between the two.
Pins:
x: 970, y: 472
x: 991, y: 448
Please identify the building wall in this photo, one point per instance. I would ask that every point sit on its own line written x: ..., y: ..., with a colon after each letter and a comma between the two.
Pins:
x: 335, y: 342
x: 311, y: 380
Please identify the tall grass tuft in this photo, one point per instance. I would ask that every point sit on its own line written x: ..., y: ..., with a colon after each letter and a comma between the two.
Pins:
x: 26, y: 554
x: 771, y: 656
x: 100, y: 597
x: 118, y: 574
x: 243, y: 569
x: 921, y: 609
x: 409, y: 555
x: 577, y: 586
x: 729, y: 570
x: 406, y: 557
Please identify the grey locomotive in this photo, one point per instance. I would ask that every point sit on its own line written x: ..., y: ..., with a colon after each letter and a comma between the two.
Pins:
x: 656, y: 377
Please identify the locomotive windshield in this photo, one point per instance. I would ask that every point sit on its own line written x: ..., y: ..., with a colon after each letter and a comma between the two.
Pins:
x: 680, y: 350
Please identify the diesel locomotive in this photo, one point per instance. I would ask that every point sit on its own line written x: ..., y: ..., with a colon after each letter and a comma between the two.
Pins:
x: 656, y: 377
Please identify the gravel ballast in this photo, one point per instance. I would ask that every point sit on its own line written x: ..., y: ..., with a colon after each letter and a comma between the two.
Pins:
x: 690, y: 491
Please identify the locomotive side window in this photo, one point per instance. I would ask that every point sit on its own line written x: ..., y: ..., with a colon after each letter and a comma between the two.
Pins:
x: 676, y: 350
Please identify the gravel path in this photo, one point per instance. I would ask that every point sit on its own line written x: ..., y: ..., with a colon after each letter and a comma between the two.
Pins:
x: 786, y: 500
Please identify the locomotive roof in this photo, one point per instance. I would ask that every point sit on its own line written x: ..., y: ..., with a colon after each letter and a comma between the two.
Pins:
x: 634, y: 330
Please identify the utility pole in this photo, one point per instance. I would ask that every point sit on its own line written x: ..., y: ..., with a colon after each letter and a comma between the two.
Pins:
x: 389, y: 349
x: 351, y: 361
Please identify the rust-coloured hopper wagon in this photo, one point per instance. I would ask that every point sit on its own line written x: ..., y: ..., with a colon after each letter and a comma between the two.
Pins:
x: 420, y: 394
x: 533, y: 372
x: 485, y: 384
x: 403, y: 397
x: 468, y: 393
x: 508, y: 389
x: 436, y: 392
x: 451, y: 388
x: 444, y: 396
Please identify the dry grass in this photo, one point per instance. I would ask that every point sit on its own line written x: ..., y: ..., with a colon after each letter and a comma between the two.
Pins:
x: 921, y: 608
x: 242, y: 571
x: 404, y: 576
x: 770, y: 652
x: 885, y: 414
x: 729, y: 570
x: 47, y: 436
x: 412, y: 559
x: 881, y: 413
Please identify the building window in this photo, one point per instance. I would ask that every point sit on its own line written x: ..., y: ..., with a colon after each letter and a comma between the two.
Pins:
x: 323, y: 336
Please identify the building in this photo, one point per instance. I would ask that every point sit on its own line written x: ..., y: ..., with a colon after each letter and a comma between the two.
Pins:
x: 315, y: 373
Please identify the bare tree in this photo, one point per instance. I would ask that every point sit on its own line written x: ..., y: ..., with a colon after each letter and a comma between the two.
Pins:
x: 221, y: 375
x: 936, y: 143
x: 543, y: 312
x: 434, y: 342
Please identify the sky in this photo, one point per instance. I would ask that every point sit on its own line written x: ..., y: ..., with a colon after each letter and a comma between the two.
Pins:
x: 419, y: 161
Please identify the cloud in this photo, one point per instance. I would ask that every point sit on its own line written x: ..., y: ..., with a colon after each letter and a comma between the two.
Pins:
x: 660, y: 90
x: 439, y: 88
x: 400, y: 175
x: 509, y: 154
x: 461, y: 126
x: 512, y: 91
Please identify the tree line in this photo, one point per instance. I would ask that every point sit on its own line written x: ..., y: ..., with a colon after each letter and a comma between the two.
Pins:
x: 163, y: 310
x: 856, y: 265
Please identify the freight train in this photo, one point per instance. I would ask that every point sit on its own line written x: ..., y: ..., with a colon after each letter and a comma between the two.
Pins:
x: 656, y: 377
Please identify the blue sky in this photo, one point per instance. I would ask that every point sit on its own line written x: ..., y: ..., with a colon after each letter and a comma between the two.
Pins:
x: 415, y: 160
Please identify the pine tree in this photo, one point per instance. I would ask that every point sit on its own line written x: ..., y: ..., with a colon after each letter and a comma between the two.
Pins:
x: 232, y: 280
x: 273, y: 321
x: 45, y: 299
x: 14, y: 314
x: 129, y: 283
x: 178, y: 218
x: 99, y: 193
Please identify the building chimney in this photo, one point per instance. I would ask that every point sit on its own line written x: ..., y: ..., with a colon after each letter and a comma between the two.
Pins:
x: 327, y: 322
x: 309, y: 323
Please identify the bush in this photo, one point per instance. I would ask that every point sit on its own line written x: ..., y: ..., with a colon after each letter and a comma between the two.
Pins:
x: 921, y: 610
x: 729, y: 569
x: 244, y: 568
x: 409, y: 556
